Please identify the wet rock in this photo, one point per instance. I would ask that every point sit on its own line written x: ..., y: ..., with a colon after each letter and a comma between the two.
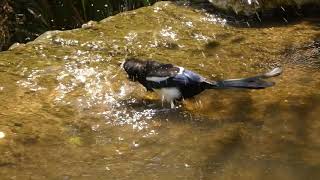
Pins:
x: 89, y: 25
x: 307, y: 54
x: 75, y: 141
x: 249, y: 7
x: 16, y: 45
x: 46, y: 36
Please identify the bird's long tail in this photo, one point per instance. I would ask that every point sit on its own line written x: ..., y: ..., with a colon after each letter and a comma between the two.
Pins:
x: 255, y: 82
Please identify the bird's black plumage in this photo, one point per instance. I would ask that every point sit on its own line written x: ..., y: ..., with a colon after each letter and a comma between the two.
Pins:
x: 184, y: 83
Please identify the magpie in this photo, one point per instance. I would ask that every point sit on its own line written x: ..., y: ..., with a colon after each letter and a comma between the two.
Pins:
x: 175, y: 83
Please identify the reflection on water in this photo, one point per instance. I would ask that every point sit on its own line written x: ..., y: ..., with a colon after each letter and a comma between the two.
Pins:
x: 69, y: 112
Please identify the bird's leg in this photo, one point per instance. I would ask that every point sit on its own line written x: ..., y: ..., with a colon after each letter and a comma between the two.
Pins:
x: 172, y: 104
x: 162, y: 100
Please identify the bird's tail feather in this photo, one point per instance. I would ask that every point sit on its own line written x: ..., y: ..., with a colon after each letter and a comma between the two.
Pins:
x: 255, y: 82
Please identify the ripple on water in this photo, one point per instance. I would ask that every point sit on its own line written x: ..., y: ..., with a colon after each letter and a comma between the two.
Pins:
x: 87, y: 87
x: 83, y: 83
x: 201, y: 37
x: 32, y: 80
x: 213, y: 19
x: 167, y: 32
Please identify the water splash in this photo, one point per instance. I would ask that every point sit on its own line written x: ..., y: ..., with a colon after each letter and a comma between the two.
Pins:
x: 90, y: 88
x: 214, y: 19
x: 64, y: 42
x: 188, y: 24
x: 131, y: 38
x: 32, y: 80
x: 250, y: 2
x: 157, y: 9
x: 201, y: 37
x: 138, y: 119
x: 94, y: 45
x: 167, y: 32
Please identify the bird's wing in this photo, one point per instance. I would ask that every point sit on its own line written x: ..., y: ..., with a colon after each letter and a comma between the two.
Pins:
x: 163, y: 73
x: 173, y: 77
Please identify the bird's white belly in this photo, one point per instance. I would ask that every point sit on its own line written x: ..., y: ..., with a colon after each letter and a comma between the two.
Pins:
x: 168, y: 94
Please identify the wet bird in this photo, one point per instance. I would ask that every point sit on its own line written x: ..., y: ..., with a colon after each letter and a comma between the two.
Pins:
x: 175, y: 83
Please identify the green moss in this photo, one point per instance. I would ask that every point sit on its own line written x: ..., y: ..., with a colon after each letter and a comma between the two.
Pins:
x: 75, y: 141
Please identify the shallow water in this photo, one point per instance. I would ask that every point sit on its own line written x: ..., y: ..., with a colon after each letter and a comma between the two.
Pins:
x: 68, y: 111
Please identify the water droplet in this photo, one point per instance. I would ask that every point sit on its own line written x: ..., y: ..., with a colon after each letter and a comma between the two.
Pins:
x: 94, y: 127
x: 201, y: 37
x: 189, y: 24
x: 119, y: 152
x: 169, y: 33
x: 2, y: 135
x: 214, y: 19
x: 157, y: 9
x: 135, y: 144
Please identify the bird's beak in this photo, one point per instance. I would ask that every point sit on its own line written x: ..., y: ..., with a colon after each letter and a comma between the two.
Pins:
x: 121, y: 63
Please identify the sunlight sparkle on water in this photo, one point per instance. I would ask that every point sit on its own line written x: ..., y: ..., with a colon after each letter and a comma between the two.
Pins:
x: 201, y: 37
x: 188, y: 24
x: 169, y: 33
x: 136, y: 118
x: 157, y: 9
x: 214, y: 19
x: 31, y: 82
x: 91, y: 79
x: 131, y: 37
x: 96, y: 92
x: 65, y: 42
x: 94, y: 45
x: 2, y: 135
x: 95, y: 83
x: 252, y: 1
x: 87, y: 87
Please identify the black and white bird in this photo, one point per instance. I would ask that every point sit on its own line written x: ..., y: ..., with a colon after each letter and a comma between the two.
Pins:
x: 175, y: 83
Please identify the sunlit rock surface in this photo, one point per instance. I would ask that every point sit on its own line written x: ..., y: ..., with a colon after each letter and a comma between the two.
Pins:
x: 249, y: 7
x: 68, y: 111
x: 307, y: 54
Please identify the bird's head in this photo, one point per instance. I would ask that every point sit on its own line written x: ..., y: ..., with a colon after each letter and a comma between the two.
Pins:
x: 135, y: 68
